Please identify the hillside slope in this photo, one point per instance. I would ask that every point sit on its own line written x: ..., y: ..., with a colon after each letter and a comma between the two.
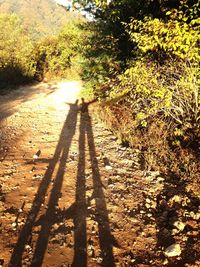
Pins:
x: 40, y: 17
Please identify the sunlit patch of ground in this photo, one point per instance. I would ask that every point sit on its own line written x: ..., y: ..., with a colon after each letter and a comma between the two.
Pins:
x: 54, y: 94
x: 70, y: 90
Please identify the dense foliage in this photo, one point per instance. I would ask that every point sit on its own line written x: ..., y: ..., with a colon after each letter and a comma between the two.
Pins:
x: 23, y: 59
x: 39, y: 17
x: 144, y: 66
x: 17, y: 63
x: 60, y: 55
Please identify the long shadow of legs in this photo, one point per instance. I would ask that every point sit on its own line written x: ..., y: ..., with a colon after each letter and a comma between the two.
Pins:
x: 106, y: 240
x: 61, y: 153
x: 80, y: 235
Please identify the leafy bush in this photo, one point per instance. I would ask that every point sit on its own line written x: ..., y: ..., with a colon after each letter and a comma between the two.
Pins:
x: 17, y: 63
x: 171, y: 39
x: 150, y: 89
x: 100, y: 58
x: 22, y: 59
x: 56, y: 55
x: 142, y: 62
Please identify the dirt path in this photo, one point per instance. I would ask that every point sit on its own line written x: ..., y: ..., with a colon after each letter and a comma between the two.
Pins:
x: 72, y: 196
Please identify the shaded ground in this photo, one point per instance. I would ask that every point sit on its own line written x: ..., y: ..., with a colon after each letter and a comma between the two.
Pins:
x: 71, y: 195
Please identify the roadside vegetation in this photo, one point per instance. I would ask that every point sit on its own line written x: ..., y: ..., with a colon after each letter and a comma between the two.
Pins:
x: 142, y: 62
x: 17, y: 63
x: 26, y: 56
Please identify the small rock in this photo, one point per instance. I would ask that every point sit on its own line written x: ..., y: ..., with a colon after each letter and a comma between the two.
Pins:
x: 37, y: 176
x: 173, y: 250
x: 153, y: 205
x: 99, y: 260
x: 184, y: 238
x: 163, y: 203
x: 165, y: 262
x: 147, y: 205
x: 14, y: 224
x: 33, y: 169
x: 179, y: 225
x: 174, y: 232
x: 93, y: 202
x: 122, y: 148
x: 152, y: 173
x: 72, y: 157
x: 37, y: 154
x: 176, y: 199
x: 160, y: 179
x: 195, y: 216
x: 108, y: 167
x: 28, y: 247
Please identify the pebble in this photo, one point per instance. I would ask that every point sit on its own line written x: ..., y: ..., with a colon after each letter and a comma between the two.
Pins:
x: 14, y: 224
x: 160, y: 179
x: 33, y: 169
x: 195, y: 216
x: 176, y: 199
x: 153, y: 173
x: 37, y: 154
x: 153, y: 205
x: 165, y: 262
x: 37, y: 176
x: 173, y: 250
x: 179, y: 225
x: 27, y: 247
x: 108, y: 167
x: 147, y: 205
x: 99, y: 260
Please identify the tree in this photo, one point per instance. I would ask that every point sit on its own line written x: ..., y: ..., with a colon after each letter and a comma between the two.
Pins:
x: 16, y: 51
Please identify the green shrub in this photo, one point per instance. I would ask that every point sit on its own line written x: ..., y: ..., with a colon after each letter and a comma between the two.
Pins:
x: 171, y: 39
x: 17, y: 63
x: 59, y: 55
x: 150, y: 88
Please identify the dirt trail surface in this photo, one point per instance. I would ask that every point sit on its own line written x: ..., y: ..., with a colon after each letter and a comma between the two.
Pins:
x: 70, y: 195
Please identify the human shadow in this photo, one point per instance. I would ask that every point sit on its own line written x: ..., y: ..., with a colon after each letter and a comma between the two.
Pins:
x: 60, y: 157
x: 106, y: 240
x: 79, y: 211
x: 85, y: 105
